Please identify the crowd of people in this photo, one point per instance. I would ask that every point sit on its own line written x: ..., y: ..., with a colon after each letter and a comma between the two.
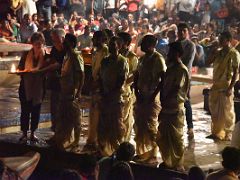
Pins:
x: 141, y: 71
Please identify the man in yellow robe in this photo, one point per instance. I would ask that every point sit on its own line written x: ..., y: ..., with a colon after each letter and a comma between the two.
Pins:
x: 171, y: 118
x: 147, y: 83
x: 72, y: 78
x: 128, y: 97
x: 99, y: 52
x: 113, y: 73
x: 225, y: 71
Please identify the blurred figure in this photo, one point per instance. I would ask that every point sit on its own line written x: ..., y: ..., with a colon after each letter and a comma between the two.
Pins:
x: 199, y: 59
x: 88, y: 167
x: 35, y: 19
x: 124, y: 153
x: 6, y: 31
x: 54, y: 20
x: 85, y: 40
x: 196, y: 173
x: 47, y: 32
x: 206, y: 17
x: 121, y: 171
x: 27, y: 28
x: 230, y: 163
x: 45, y: 9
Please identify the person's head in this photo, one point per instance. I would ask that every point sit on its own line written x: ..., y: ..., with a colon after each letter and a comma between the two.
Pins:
x: 125, y: 152
x: 175, y: 52
x: 54, y: 17
x: 196, y: 173
x: 98, y: 38
x: 108, y: 35
x: 121, y: 170
x: 9, y: 16
x: 172, y: 36
x: 145, y: 28
x: 130, y: 18
x: 60, y: 15
x: 88, y: 166
x: 126, y: 39
x: 74, y: 15
x: 58, y: 36
x: 124, y: 24
x: 115, y: 44
x: 37, y: 40
x: 87, y: 30
x: 34, y: 17
x: 70, y: 41
x: 145, y: 21
x: 231, y: 159
x: 27, y: 19
x: 207, y: 6
x: 225, y: 39
x: 148, y: 43
x: 183, y: 31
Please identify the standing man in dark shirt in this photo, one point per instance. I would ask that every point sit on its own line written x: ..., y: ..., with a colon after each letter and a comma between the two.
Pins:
x: 187, y: 59
x: 45, y: 9
x: 54, y: 72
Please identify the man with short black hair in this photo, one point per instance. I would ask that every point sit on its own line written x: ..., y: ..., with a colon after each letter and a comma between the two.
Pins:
x: 230, y: 163
x: 125, y: 153
x: 225, y: 72
x: 147, y: 84
x: 171, y: 118
x: 187, y: 59
x: 128, y: 96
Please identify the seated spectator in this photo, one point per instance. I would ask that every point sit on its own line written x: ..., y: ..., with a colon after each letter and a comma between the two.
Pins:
x: 124, y: 153
x: 6, y: 31
x: 35, y: 19
x: 61, y: 21
x: 231, y: 165
x: 47, y: 32
x: 14, y: 24
x: 121, y: 171
x: 27, y: 28
x: 54, y: 20
x: 196, y: 173
x: 73, y: 19
x: 199, y: 59
x: 162, y: 45
x: 85, y: 40
x: 88, y: 167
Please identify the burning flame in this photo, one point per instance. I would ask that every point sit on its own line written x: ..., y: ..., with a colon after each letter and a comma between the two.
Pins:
x: 13, y: 68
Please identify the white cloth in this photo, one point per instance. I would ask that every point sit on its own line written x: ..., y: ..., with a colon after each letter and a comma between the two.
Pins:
x: 187, y: 5
x: 29, y: 7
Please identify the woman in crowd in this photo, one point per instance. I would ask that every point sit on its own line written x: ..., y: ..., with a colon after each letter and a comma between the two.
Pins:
x: 31, y: 86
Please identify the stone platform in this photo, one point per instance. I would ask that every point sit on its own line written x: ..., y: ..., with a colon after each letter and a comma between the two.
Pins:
x: 198, y: 151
